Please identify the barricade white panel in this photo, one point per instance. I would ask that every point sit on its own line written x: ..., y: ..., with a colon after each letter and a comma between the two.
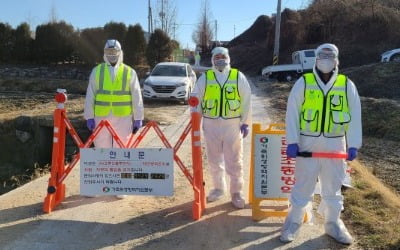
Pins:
x: 127, y: 171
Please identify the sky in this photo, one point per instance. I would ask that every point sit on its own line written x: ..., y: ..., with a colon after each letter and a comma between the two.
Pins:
x: 232, y: 16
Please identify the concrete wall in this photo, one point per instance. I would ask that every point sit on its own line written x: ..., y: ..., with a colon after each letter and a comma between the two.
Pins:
x: 27, y: 144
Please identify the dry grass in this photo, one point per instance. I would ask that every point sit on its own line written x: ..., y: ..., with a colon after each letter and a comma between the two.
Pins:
x: 381, y: 118
x: 372, y: 211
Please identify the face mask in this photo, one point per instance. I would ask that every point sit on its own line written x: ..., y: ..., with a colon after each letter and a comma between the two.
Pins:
x: 220, y: 64
x: 112, y: 59
x: 112, y: 55
x: 325, y: 65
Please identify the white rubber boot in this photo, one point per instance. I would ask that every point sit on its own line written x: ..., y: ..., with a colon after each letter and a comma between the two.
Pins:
x: 238, y: 201
x: 339, y: 232
x: 334, y: 226
x: 215, y: 195
x: 293, y: 222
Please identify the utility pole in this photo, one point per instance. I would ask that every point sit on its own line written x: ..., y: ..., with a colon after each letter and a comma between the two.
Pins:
x: 277, y: 33
x: 234, y: 31
x: 162, y: 16
x: 216, y: 30
x: 150, y: 20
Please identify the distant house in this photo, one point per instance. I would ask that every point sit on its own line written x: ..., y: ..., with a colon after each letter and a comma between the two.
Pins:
x: 182, y: 55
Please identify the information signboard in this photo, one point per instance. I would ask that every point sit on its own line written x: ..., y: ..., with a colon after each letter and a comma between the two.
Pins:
x: 273, y: 170
x: 127, y: 171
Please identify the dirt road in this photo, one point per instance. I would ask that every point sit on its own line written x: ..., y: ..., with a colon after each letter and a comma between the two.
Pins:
x: 141, y: 222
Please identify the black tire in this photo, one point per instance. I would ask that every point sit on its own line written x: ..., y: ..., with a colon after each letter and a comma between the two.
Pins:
x: 285, y: 77
x: 281, y: 77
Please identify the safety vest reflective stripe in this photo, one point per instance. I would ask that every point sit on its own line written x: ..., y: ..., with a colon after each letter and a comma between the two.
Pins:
x: 114, y: 104
x: 106, y: 92
x: 324, y: 114
x: 222, y: 101
x: 113, y: 96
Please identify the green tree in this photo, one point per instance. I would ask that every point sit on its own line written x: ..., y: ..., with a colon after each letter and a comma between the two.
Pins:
x: 54, y: 42
x: 115, y: 30
x: 159, y: 48
x: 90, y: 45
x: 6, y: 42
x: 22, y: 43
x: 175, y: 44
x: 135, y: 46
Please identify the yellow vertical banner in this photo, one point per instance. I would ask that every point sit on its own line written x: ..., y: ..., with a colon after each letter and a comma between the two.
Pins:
x: 271, y: 172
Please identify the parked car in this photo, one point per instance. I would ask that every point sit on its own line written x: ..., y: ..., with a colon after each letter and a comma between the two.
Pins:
x: 170, y: 80
x: 391, y: 55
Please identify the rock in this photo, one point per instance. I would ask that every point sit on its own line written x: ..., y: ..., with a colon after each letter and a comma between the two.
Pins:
x: 23, y: 136
x: 24, y: 123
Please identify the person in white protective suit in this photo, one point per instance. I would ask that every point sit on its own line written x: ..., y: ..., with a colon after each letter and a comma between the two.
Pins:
x: 113, y: 94
x: 225, y: 103
x: 323, y: 115
x: 197, y: 59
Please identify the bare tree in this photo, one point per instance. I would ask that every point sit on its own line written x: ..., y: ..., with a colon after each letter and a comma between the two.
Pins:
x: 203, y: 33
x: 53, y: 13
x: 165, y: 17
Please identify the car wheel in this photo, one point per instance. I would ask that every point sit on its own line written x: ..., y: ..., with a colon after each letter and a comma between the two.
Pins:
x: 395, y: 58
x: 281, y: 77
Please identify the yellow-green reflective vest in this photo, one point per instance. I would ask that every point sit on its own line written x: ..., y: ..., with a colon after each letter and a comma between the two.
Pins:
x: 222, y: 101
x: 328, y: 114
x: 114, y: 95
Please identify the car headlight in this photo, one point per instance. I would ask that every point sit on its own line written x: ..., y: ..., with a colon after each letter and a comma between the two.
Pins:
x: 148, y: 83
x: 181, y: 84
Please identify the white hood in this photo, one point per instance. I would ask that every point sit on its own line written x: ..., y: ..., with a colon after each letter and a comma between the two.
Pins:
x: 166, y: 80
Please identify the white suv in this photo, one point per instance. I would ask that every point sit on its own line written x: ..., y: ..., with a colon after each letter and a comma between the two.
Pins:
x: 170, y: 80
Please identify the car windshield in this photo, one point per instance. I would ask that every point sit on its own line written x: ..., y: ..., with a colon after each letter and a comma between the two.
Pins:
x: 309, y: 53
x: 169, y: 70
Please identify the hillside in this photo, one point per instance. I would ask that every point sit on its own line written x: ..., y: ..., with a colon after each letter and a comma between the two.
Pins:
x: 378, y: 84
x: 352, y: 25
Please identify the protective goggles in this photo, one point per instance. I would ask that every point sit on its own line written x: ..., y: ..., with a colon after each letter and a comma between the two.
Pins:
x: 219, y: 56
x: 326, y: 55
x: 112, y: 52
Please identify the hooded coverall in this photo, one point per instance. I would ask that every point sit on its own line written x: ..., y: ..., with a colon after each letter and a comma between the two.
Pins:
x: 224, y: 142
x: 330, y: 171
x: 121, y: 124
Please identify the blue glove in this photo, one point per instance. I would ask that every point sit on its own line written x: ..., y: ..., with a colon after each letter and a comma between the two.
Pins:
x: 137, y: 124
x: 292, y: 150
x: 91, y: 125
x: 244, y: 129
x: 351, y: 154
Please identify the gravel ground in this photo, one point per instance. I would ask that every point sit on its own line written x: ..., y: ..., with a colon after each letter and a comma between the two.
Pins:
x: 141, y: 222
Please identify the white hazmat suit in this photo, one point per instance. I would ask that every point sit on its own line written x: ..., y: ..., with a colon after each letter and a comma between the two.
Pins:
x: 331, y: 172
x: 197, y: 59
x: 121, y: 124
x: 223, y: 137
